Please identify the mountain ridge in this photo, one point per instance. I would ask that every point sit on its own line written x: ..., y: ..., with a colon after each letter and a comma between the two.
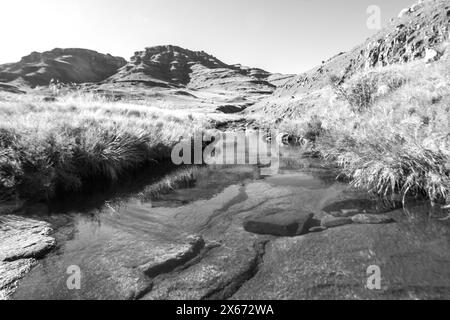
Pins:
x: 68, y: 65
x: 423, y: 26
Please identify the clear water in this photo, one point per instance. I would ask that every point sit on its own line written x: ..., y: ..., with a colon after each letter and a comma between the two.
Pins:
x: 106, y: 233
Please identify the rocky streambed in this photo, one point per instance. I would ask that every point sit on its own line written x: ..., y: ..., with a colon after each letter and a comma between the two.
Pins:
x: 230, y: 234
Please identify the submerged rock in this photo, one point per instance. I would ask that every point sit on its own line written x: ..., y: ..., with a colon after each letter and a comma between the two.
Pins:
x: 414, y: 262
x: 372, y: 219
x: 317, y: 229
x: 174, y: 257
x: 119, y: 260
x: 284, y: 224
x: 22, y: 238
x: 352, y: 207
x: 11, y: 273
x: 332, y: 222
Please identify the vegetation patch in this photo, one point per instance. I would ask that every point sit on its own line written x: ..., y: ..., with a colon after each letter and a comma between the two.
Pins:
x: 388, y: 129
x: 48, y: 147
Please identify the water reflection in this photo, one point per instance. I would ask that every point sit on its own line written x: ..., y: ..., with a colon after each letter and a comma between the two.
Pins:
x: 106, y: 232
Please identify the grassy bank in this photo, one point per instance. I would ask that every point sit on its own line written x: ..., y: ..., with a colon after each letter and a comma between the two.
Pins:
x: 387, y: 128
x: 51, y: 147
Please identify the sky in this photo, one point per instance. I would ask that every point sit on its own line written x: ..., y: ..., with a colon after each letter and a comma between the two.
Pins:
x: 286, y: 36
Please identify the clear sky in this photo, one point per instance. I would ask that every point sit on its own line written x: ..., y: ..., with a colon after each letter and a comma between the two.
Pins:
x: 288, y: 36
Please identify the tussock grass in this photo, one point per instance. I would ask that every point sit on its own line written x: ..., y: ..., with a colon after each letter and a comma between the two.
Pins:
x: 46, y: 147
x: 391, y: 167
x: 391, y: 139
x: 182, y: 178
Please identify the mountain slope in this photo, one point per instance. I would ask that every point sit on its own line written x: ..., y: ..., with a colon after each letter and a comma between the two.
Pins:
x: 172, y: 66
x: 419, y: 28
x: 65, y: 65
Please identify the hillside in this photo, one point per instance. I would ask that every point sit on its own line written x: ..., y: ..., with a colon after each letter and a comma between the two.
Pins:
x: 172, y: 66
x: 169, y: 76
x: 423, y: 26
x: 65, y: 65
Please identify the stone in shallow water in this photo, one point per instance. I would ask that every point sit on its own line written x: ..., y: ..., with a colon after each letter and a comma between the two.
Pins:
x: 11, y: 273
x: 372, y: 219
x: 174, y: 257
x: 22, y: 238
x: 284, y: 224
x: 21, y: 241
x: 317, y: 229
x: 352, y: 207
x: 332, y: 222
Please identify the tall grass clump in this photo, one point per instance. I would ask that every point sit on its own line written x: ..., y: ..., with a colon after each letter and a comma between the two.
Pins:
x: 391, y: 167
x: 362, y: 90
x: 388, y: 129
x: 56, y: 147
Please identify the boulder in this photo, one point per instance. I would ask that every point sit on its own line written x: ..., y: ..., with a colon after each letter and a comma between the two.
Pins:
x: 22, y: 238
x: 22, y: 241
x: 173, y: 257
x: 284, y: 224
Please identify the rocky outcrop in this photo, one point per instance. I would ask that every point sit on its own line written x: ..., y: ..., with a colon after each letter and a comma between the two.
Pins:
x: 22, y: 241
x: 422, y: 27
x: 65, y: 65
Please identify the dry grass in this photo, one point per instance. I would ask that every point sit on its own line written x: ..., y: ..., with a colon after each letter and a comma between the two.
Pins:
x: 392, y: 138
x: 46, y: 147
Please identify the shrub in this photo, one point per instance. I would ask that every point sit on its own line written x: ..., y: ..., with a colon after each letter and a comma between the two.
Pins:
x: 360, y: 93
x: 314, y: 129
x: 363, y: 89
